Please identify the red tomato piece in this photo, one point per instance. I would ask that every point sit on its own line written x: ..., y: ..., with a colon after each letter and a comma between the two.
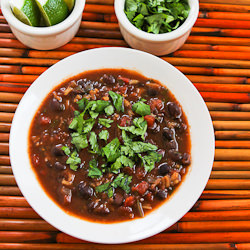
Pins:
x: 150, y: 120
x: 156, y: 104
x: 125, y: 79
x: 45, y: 120
x: 125, y: 121
x: 130, y: 201
x: 141, y: 188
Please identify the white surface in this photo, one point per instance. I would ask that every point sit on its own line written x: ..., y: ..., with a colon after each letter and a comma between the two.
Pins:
x: 45, y: 38
x: 202, y: 150
x: 157, y: 44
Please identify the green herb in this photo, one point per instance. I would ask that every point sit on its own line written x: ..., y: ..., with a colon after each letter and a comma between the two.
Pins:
x: 117, y: 101
x: 150, y: 160
x: 140, y: 127
x: 122, y: 181
x: 73, y: 161
x: 74, y: 124
x: 93, y: 143
x: 101, y: 105
x: 109, y: 110
x: 105, y: 122
x: 104, y: 135
x: 102, y: 188
x: 94, y: 171
x: 83, y: 103
x: 157, y: 16
x: 66, y: 150
x: 112, y: 150
x: 80, y: 141
x: 141, y: 108
x: 120, y: 162
x: 93, y: 114
x: 88, y: 125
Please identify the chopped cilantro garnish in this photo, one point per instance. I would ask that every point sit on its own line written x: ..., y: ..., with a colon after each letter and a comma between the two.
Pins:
x: 105, y: 122
x: 104, y: 135
x: 73, y: 161
x: 141, y: 108
x: 112, y: 150
x: 123, y: 182
x: 93, y: 143
x: 109, y: 110
x: 102, y: 188
x: 88, y: 125
x: 101, y: 105
x: 150, y: 160
x: 80, y: 141
x: 66, y: 150
x: 94, y: 171
x: 120, y: 162
x: 117, y: 100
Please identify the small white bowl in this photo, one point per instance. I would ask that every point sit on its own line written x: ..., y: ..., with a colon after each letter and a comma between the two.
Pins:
x: 157, y: 44
x: 201, y: 133
x: 45, y: 38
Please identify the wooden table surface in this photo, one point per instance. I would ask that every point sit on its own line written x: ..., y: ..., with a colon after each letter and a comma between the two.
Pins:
x: 216, y: 58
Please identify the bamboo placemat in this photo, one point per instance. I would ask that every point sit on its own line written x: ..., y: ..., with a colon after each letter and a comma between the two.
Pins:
x: 216, y: 58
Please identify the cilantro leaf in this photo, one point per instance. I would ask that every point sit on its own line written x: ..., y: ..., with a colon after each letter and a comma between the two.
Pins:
x: 141, y: 108
x: 88, y: 125
x: 101, y: 105
x: 150, y: 160
x: 102, y: 188
x: 73, y: 161
x: 94, y: 171
x: 83, y: 103
x: 80, y: 141
x: 105, y: 122
x: 120, y: 162
x: 93, y: 143
x: 117, y: 101
x: 122, y: 181
x: 112, y: 150
x: 141, y: 147
x: 66, y: 150
x: 104, y: 135
x: 109, y: 110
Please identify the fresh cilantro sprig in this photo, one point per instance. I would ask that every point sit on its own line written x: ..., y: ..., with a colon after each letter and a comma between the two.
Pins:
x: 157, y: 16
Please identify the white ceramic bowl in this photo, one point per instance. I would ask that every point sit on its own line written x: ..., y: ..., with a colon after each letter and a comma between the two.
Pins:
x: 45, y: 38
x: 157, y: 44
x: 202, y: 149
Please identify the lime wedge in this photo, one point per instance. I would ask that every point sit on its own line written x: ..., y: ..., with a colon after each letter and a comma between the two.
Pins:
x: 70, y: 4
x: 26, y: 11
x: 53, y: 11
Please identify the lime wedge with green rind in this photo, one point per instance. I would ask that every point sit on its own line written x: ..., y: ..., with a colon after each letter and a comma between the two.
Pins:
x: 53, y: 11
x: 26, y: 11
x: 70, y: 4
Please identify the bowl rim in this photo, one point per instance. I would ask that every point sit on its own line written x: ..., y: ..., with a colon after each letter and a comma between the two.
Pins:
x: 156, y: 38
x: 45, y: 213
x: 43, y: 31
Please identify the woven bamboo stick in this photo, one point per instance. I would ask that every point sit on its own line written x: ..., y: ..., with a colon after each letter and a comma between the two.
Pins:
x: 6, y: 190
x: 231, y: 125
x: 13, y: 201
x: 230, y: 88
x: 232, y: 144
x: 232, y: 154
x: 213, y: 54
x: 240, y: 2
x: 12, y: 43
x: 28, y: 237
x: 4, y: 27
x: 11, y: 52
x: 7, y: 180
x: 227, y: 106
x: 10, y: 97
x: 4, y: 160
x: 8, y: 107
x: 104, y: 9
x: 86, y: 246
x: 6, y: 117
x: 100, y: 26
x: 4, y: 148
x: 217, y: 23
x: 225, y: 15
x: 179, y: 238
x: 4, y: 137
x: 25, y: 225
x: 225, y: 194
x: 113, y: 34
x: 226, y: 97
x: 9, y: 69
x: 217, y: 216
x: 230, y: 175
x: 49, y: 54
x: 231, y: 184
x: 18, y: 78
x: 33, y: 70
x: 102, y: 41
x: 221, y: 205
x: 13, y: 87
x: 4, y: 127
x: 18, y: 212
x: 237, y: 76
x: 92, y: 17
x: 28, y: 61
x: 231, y: 165
x: 5, y: 170
x: 224, y: 7
x: 8, y: 35
x: 228, y: 115
x: 201, y: 62
x: 109, y: 2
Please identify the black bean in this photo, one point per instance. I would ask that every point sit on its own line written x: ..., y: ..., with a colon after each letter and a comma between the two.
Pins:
x: 172, y: 144
x: 118, y: 199
x: 175, y: 155
x: 161, y: 194
x: 174, y: 110
x: 186, y: 159
x: 109, y: 80
x: 168, y: 133
x: 56, y: 105
x: 102, y: 209
x: 152, y: 92
x: 164, y: 169
x: 182, y: 127
x: 59, y: 166
x: 49, y: 164
x: 57, y: 150
x: 85, y: 191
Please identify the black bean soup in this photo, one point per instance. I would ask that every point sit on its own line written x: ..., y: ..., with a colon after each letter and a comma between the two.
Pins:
x: 109, y: 145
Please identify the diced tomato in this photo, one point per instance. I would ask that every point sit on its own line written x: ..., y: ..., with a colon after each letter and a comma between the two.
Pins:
x: 35, y: 160
x: 125, y: 121
x: 141, y: 188
x: 123, y: 89
x: 130, y: 201
x: 150, y: 120
x: 140, y: 173
x: 149, y: 196
x: 45, y: 120
x: 156, y: 104
x: 125, y: 79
